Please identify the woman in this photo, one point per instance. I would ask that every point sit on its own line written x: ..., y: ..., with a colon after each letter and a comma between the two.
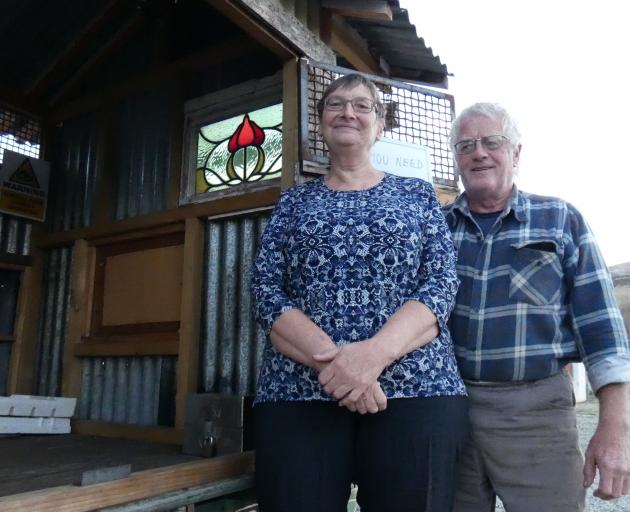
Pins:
x: 354, y: 282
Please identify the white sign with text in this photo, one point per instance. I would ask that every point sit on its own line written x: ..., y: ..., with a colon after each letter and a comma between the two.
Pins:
x: 402, y: 159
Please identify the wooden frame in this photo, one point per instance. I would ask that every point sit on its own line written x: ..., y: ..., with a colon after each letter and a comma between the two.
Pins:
x: 137, y: 486
x: 214, y: 107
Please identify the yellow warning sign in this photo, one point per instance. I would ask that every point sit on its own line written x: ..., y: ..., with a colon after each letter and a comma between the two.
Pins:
x: 23, y: 186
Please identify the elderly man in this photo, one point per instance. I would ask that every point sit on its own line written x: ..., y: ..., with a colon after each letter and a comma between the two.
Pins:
x: 535, y: 295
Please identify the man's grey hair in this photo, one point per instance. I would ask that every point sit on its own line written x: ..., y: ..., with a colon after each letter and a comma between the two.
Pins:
x: 490, y: 111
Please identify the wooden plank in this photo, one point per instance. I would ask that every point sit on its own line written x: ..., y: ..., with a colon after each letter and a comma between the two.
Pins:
x: 14, y: 261
x: 378, y: 10
x: 81, y: 279
x: 37, y: 406
x: 77, y: 43
x: 229, y: 49
x: 93, y: 346
x: 280, y: 30
x: 22, y: 365
x: 290, y: 120
x: 163, y: 435
x: 18, y: 425
x: 137, y: 486
x: 346, y: 41
x: 223, y: 206
x: 192, y: 279
x: 130, y: 27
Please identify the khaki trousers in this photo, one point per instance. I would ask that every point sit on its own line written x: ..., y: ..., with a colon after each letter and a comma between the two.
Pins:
x: 522, y: 446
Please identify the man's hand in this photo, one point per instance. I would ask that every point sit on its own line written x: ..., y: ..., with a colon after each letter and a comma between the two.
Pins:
x: 609, y: 449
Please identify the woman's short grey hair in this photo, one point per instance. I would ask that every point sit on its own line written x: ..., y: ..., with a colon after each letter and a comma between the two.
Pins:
x: 348, y: 82
x: 491, y: 111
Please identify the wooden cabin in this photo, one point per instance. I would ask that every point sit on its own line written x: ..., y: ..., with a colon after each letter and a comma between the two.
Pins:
x: 124, y: 284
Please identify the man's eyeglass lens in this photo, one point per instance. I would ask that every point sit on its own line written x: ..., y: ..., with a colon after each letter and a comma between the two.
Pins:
x: 362, y: 105
x: 491, y: 143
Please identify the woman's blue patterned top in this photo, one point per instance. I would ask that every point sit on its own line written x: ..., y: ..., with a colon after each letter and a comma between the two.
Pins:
x: 349, y: 260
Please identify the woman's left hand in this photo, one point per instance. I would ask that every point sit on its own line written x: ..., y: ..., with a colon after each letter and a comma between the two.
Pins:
x: 352, y: 370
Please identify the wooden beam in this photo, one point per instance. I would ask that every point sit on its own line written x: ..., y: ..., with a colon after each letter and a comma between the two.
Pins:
x: 226, y: 50
x: 72, y: 50
x: 139, y: 485
x: 273, y: 26
x: 363, y: 9
x: 123, y: 34
x: 161, y: 435
x: 127, y: 346
x: 226, y: 205
x: 347, y: 42
x: 23, y: 353
x: 290, y: 123
x: 81, y: 279
x: 190, y: 326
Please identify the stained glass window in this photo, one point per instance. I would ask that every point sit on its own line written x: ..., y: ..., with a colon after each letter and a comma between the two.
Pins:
x: 243, y: 149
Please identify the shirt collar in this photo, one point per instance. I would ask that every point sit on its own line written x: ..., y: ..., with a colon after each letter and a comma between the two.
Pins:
x: 517, y: 204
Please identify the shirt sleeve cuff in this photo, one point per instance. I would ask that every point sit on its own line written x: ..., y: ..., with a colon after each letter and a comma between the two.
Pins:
x: 610, y: 370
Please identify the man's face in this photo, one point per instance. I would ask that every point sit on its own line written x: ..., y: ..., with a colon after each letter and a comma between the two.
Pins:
x: 487, y: 174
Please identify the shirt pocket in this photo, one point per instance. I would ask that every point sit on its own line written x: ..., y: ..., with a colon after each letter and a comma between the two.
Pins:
x: 536, y: 273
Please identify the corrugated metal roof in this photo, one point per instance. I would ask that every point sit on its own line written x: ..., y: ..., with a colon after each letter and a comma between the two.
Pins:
x: 408, y: 56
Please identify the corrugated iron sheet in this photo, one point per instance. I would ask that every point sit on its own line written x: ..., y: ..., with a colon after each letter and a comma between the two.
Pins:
x: 232, y: 341
x: 73, y: 174
x: 135, y: 390
x: 54, y: 321
x: 15, y: 235
x: 142, y: 162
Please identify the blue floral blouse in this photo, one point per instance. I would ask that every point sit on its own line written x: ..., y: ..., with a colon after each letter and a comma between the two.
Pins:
x: 349, y: 260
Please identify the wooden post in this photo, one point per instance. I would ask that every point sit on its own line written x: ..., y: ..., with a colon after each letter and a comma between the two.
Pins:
x: 190, y: 319
x: 23, y: 352
x: 79, y: 315
x: 290, y: 123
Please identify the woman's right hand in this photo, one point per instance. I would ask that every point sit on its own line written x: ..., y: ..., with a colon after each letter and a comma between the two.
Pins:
x: 372, y: 401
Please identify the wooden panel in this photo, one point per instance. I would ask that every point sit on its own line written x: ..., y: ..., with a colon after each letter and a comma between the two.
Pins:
x: 223, y: 206
x: 147, y: 345
x: 164, y: 435
x: 22, y: 364
x: 346, y: 41
x: 79, y: 316
x: 363, y: 9
x: 288, y: 38
x: 143, y: 286
x: 290, y: 120
x: 192, y: 277
x: 137, y: 486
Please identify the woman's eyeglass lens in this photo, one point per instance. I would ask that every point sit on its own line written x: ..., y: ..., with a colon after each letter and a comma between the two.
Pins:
x: 361, y: 105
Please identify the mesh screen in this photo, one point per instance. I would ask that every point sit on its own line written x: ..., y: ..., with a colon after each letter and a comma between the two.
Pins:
x: 19, y: 133
x: 414, y: 114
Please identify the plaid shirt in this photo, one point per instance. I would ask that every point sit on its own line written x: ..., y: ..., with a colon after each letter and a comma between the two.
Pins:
x: 535, y: 294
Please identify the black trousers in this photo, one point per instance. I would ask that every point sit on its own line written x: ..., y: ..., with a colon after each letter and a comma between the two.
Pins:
x: 403, y: 459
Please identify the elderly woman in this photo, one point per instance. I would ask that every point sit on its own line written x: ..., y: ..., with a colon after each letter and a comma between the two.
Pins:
x: 354, y: 283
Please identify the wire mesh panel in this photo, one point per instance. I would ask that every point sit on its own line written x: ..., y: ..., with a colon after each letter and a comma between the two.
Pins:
x: 414, y: 114
x: 19, y: 133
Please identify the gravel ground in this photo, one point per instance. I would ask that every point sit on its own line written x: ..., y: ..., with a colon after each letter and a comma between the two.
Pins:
x: 587, y: 421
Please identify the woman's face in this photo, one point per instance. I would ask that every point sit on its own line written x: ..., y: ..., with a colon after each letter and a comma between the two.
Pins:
x: 346, y: 127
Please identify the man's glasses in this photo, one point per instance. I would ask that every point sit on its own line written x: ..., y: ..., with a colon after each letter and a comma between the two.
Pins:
x: 361, y: 105
x: 491, y: 143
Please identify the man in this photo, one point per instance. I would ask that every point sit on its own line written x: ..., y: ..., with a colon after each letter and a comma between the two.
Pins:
x: 535, y: 295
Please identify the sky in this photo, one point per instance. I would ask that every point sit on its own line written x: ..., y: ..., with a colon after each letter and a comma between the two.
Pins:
x: 561, y: 69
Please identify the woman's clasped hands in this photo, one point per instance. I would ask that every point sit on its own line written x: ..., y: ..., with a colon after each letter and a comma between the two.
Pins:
x: 351, y: 375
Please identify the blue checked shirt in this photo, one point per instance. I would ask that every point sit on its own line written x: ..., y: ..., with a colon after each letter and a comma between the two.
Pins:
x: 535, y: 294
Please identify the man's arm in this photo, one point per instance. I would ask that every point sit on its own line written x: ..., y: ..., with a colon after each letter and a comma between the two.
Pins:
x: 609, y: 448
